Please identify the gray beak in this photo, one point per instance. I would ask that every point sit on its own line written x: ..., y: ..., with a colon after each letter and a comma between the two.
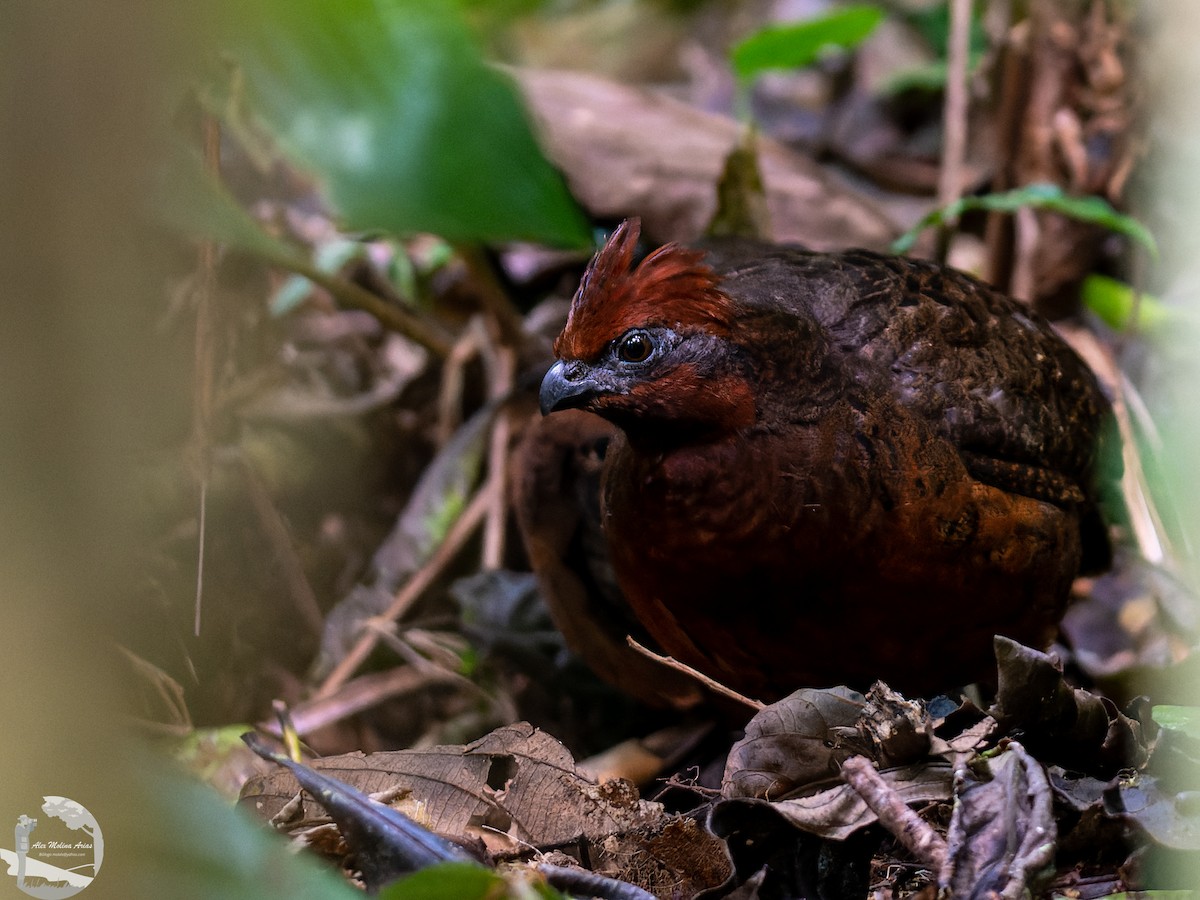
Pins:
x: 568, y: 385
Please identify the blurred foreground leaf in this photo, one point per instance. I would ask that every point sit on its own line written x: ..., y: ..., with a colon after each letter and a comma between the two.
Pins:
x: 1179, y: 718
x: 1120, y: 306
x: 802, y: 43
x: 211, y: 849
x: 1091, y: 209
x: 405, y: 128
x: 456, y: 881
x: 190, y: 200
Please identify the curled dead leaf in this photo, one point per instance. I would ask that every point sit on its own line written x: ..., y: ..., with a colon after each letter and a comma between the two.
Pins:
x: 1002, y: 833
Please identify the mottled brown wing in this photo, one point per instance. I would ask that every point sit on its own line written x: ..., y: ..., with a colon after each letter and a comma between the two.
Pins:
x: 1023, y: 409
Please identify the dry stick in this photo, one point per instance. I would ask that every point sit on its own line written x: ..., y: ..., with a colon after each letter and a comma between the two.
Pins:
x: 954, y: 116
x: 459, y: 532
x: 1040, y: 857
x: 450, y: 393
x: 1149, y: 531
x: 714, y: 686
x: 917, y: 835
x: 501, y: 365
x: 360, y: 694
x: 280, y: 539
x: 1027, y: 233
x: 497, y: 491
x: 426, y: 333
x: 204, y: 365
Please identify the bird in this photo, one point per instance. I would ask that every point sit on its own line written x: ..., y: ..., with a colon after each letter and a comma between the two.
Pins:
x: 806, y: 469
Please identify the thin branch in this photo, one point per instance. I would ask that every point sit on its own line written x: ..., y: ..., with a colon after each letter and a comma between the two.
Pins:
x: 397, y: 318
x: 205, y: 366
x: 455, y: 539
x: 954, y: 115
x: 358, y: 695
x: 501, y: 363
x: 917, y: 835
x: 450, y: 394
x: 715, y: 686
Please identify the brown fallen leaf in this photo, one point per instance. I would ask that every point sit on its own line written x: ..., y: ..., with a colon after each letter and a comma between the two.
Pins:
x: 515, y: 785
x: 790, y: 761
x: 795, y: 743
x: 1062, y: 724
x: 1002, y: 834
x: 517, y: 789
x: 838, y: 812
x: 631, y: 151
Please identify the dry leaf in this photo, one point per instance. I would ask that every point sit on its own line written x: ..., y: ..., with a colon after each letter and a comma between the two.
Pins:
x: 1002, y: 833
x: 629, y: 151
x: 517, y: 781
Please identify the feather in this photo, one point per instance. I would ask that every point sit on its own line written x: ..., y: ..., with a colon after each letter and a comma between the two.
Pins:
x: 672, y: 287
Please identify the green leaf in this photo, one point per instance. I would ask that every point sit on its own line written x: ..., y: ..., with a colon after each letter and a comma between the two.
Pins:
x: 1095, y: 210
x: 406, y: 129
x: 190, y: 200
x: 328, y: 258
x: 1120, y: 306
x: 448, y: 881
x: 181, y: 840
x: 928, y: 78
x: 1179, y: 718
x: 802, y: 43
x: 462, y: 881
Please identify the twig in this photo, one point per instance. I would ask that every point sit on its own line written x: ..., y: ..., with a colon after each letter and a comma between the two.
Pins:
x: 360, y: 694
x: 1145, y: 521
x: 501, y: 362
x: 466, y: 348
x: 205, y: 366
x: 400, y: 320
x: 917, y: 835
x: 412, y: 656
x: 202, y: 527
x: 1040, y: 856
x: 1027, y: 231
x: 457, y: 536
x: 715, y: 686
x: 954, y: 116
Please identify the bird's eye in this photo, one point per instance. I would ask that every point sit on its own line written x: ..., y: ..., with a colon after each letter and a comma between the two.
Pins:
x: 635, y: 347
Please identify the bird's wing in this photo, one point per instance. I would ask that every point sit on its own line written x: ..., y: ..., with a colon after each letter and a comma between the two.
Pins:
x: 990, y: 374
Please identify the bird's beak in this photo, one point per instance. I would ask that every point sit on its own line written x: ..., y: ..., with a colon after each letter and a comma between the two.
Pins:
x: 567, y: 385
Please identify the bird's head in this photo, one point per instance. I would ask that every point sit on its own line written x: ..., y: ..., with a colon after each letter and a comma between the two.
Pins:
x: 650, y: 346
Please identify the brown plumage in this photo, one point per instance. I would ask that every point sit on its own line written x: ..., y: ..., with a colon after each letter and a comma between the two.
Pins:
x: 831, y: 468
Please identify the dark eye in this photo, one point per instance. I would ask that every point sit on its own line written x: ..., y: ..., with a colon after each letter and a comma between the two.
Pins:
x: 635, y: 347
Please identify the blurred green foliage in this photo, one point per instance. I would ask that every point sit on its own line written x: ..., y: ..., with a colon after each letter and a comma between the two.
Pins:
x: 799, y: 44
x: 1095, y: 210
x: 461, y: 881
x: 391, y: 109
x: 210, y: 850
x: 1121, y: 308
